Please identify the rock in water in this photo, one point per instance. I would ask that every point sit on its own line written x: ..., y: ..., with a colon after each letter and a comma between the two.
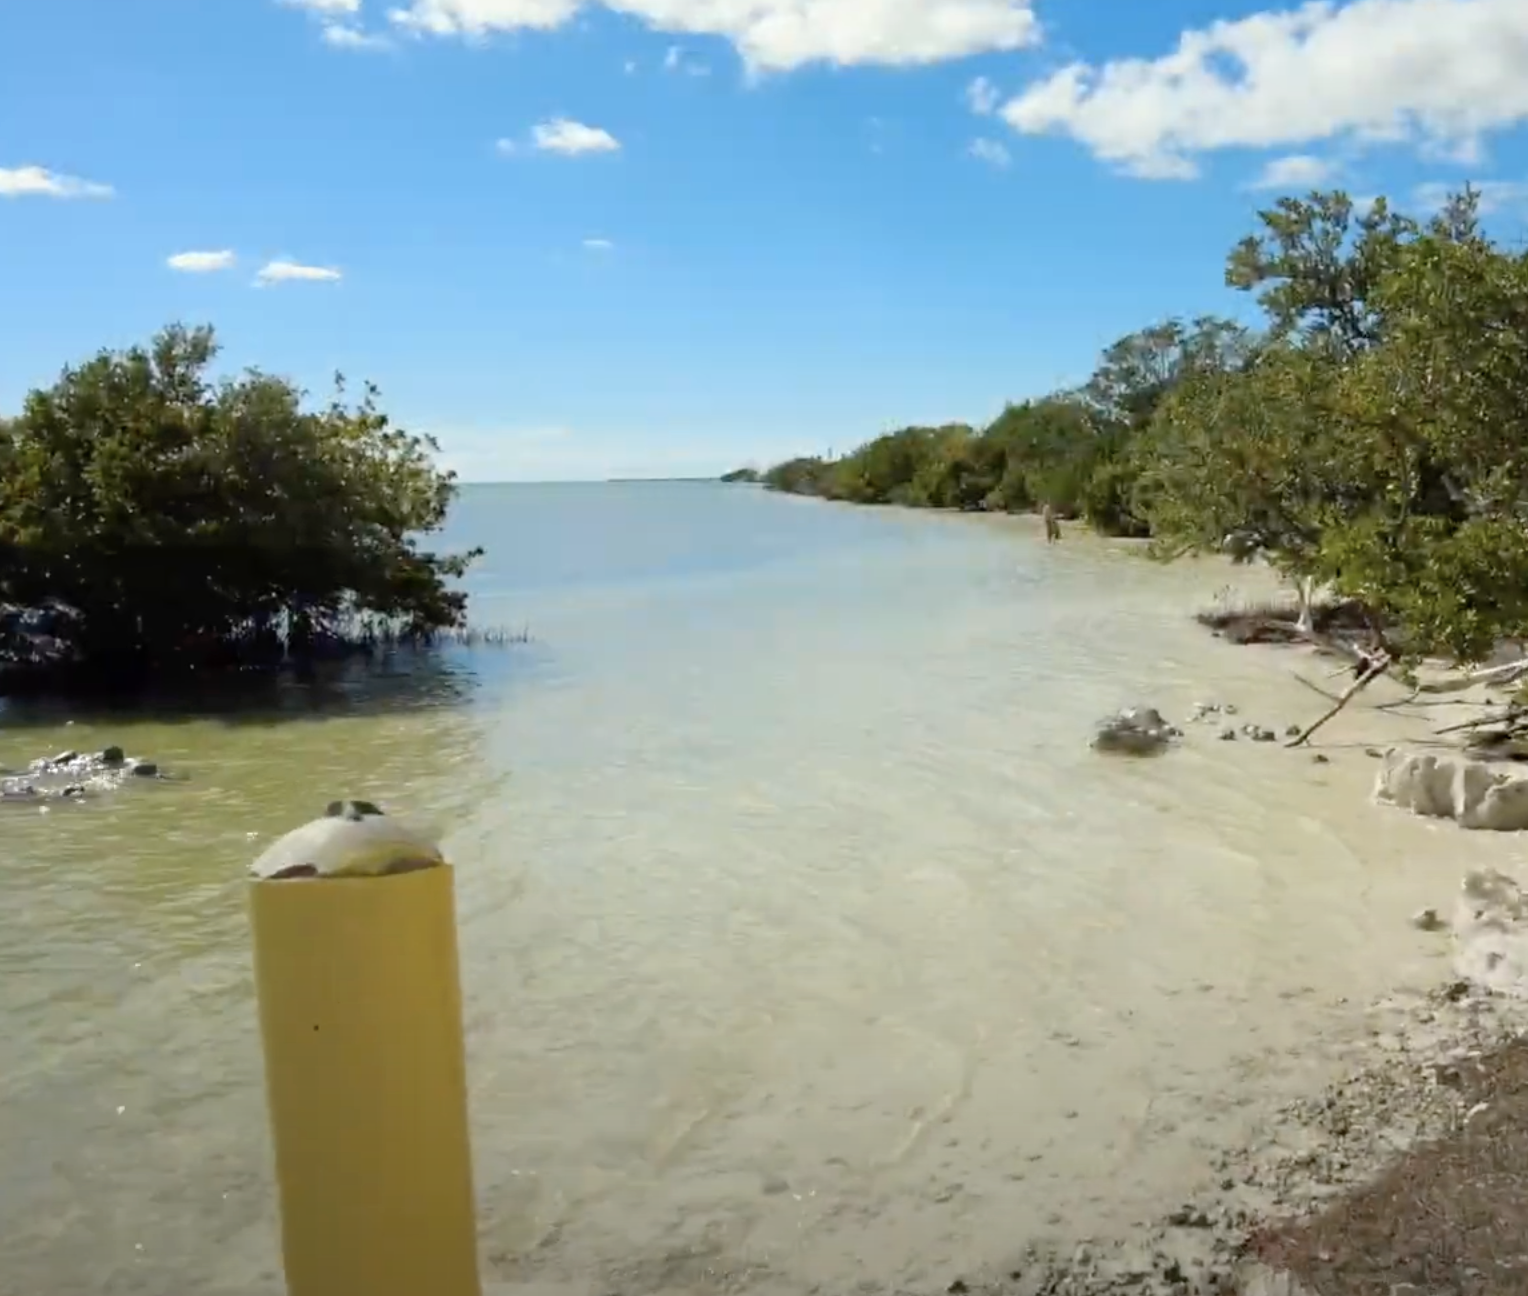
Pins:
x: 71, y: 775
x: 1492, y: 795
x: 1135, y: 731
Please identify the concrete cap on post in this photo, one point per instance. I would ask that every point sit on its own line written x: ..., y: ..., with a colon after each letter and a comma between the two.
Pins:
x: 353, y: 839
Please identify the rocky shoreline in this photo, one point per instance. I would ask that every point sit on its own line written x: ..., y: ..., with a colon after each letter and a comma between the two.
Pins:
x: 1340, y: 1194
x: 1408, y: 1176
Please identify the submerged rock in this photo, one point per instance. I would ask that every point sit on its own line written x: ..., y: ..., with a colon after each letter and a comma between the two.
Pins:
x: 1135, y: 731
x: 1454, y: 785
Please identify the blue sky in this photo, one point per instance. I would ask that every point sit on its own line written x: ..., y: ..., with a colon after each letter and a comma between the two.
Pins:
x: 670, y: 236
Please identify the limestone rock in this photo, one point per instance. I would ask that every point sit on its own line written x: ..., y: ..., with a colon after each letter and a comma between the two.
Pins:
x: 1454, y: 785
x: 1491, y: 933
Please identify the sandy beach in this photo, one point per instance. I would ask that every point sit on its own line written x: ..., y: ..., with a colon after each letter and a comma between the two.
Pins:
x: 1407, y: 1175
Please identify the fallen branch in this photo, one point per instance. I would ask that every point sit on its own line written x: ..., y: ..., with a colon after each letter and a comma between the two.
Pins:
x: 1337, y: 647
x: 1507, y: 673
x: 1377, y: 667
x: 1408, y: 700
x: 1316, y: 688
x: 1512, y: 713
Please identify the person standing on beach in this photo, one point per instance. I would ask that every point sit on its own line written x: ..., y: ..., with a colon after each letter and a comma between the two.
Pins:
x: 1052, y: 527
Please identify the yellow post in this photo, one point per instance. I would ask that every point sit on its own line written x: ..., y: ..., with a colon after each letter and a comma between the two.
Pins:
x: 354, y: 925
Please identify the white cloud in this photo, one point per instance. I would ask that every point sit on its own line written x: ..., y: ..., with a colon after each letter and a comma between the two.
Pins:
x: 769, y: 35
x: 982, y: 97
x: 989, y: 151
x: 324, y: 6
x: 571, y: 138
x: 201, y: 262
x: 38, y: 182
x: 282, y: 271
x: 1297, y: 171
x: 630, y: 66
x: 1495, y: 195
x: 598, y: 245
x: 1433, y: 73
x: 342, y: 36
x: 477, y: 18
x: 671, y: 57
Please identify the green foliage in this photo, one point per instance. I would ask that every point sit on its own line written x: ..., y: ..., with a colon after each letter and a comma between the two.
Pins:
x: 1380, y: 442
x: 1237, y: 459
x: 1071, y: 450
x: 1316, y: 264
x: 742, y: 475
x: 175, y: 517
x: 802, y: 476
x: 1374, y: 436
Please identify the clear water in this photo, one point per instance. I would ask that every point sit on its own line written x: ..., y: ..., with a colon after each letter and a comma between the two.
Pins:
x: 805, y: 942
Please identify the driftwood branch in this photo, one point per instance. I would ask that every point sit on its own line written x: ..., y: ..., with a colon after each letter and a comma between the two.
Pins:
x: 1507, y: 673
x: 1377, y: 667
x: 1510, y: 715
x: 1316, y: 688
x: 1409, y: 700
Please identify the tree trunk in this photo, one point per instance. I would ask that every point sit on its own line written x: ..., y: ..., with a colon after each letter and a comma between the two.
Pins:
x: 1305, y: 590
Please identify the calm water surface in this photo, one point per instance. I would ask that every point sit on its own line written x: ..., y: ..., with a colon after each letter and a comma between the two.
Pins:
x: 804, y: 940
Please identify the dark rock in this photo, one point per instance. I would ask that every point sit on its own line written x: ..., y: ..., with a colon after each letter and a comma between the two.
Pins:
x: 353, y: 810
x: 1135, y: 731
x: 72, y: 775
x: 1319, y: 759
x: 1293, y: 731
x: 1228, y: 734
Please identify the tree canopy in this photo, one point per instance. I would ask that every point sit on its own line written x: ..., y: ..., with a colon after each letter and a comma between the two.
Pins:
x: 1371, y: 435
x: 166, y: 518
